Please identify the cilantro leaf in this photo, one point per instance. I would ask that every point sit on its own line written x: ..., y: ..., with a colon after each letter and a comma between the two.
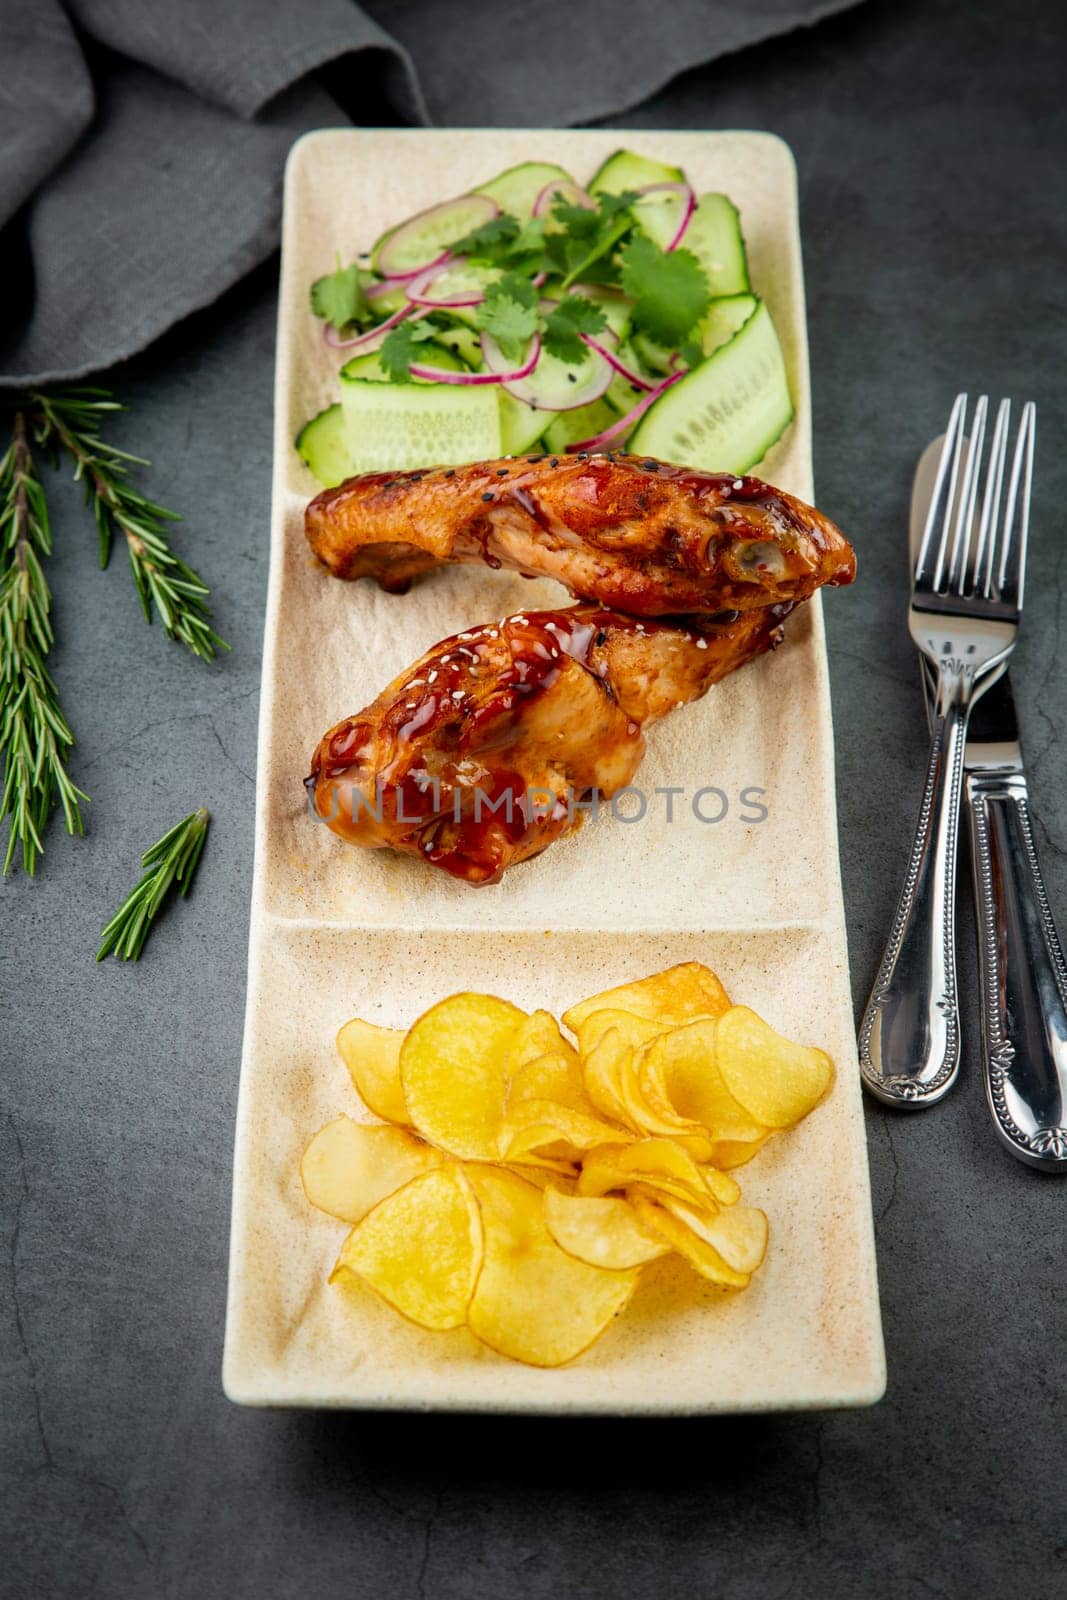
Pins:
x: 339, y: 297
x: 509, y: 314
x: 668, y: 287
x: 399, y: 347
x: 584, y: 238
x: 491, y: 241
x: 565, y: 325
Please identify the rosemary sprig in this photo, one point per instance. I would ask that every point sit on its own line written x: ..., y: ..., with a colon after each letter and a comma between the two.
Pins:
x: 35, y: 736
x: 163, y: 580
x: 170, y: 863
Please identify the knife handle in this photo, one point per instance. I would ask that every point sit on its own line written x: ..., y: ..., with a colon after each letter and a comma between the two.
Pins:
x: 909, y: 1040
x: 1023, y: 977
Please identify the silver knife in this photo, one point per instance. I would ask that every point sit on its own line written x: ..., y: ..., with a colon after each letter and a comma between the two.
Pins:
x: 1021, y: 966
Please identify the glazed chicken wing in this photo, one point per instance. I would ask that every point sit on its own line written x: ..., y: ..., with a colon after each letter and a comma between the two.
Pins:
x: 483, y: 752
x: 634, y: 534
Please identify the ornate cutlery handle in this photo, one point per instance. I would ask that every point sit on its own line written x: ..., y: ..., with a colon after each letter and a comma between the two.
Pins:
x: 909, y: 1040
x: 1023, y: 977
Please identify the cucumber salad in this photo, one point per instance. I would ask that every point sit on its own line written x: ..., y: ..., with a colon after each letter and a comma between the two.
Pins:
x: 533, y: 313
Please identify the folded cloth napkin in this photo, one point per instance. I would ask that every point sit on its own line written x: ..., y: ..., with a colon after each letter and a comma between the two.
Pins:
x: 144, y: 141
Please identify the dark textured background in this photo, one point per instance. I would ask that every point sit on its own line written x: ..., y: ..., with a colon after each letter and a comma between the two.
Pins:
x: 930, y: 141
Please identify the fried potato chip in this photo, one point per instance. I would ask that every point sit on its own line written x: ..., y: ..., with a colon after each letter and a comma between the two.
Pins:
x: 681, y: 994
x: 656, y: 1162
x: 349, y: 1166
x: 605, y: 1232
x: 635, y: 1031
x: 777, y: 1082
x: 453, y: 1067
x: 421, y: 1249
x: 602, y: 1071
x: 682, y: 1066
x: 539, y: 1123
x: 536, y: 1035
x: 533, y: 1301
x: 556, y: 1075
x: 372, y: 1056
x: 739, y: 1234
x: 726, y: 1154
x: 681, y: 1238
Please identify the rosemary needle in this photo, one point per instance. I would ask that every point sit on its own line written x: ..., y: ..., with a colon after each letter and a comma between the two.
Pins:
x: 165, y: 584
x: 170, y: 863
x: 35, y: 737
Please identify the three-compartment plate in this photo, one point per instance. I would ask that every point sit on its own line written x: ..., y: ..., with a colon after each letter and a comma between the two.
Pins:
x: 337, y: 932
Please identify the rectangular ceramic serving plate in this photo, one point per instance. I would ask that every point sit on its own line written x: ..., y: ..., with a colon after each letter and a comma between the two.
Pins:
x: 338, y: 932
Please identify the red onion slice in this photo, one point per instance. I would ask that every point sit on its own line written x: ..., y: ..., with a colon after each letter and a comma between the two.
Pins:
x: 470, y: 211
x: 638, y: 379
x: 473, y: 379
x: 418, y: 289
x: 624, y: 424
x: 364, y: 341
x: 572, y: 194
x: 531, y: 388
x: 689, y: 204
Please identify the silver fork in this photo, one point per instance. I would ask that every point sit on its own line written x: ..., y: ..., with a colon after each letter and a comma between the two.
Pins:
x: 966, y: 601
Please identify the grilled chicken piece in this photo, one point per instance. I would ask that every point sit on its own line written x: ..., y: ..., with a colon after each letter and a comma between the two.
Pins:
x: 635, y: 534
x: 482, y: 753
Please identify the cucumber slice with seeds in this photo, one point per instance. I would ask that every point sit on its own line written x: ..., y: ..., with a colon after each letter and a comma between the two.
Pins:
x: 516, y: 189
x: 626, y: 170
x: 422, y: 239
x: 714, y: 237
x: 521, y: 425
x: 723, y: 318
x: 725, y: 414
x: 323, y: 444
x: 396, y: 426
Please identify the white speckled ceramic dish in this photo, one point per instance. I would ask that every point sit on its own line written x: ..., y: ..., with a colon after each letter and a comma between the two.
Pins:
x: 337, y: 931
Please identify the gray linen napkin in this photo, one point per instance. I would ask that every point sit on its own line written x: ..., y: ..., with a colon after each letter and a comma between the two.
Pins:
x: 142, y: 143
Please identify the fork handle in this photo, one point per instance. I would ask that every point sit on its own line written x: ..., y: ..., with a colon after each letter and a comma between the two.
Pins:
x: 909, y: 1041
x: 1023, y: 978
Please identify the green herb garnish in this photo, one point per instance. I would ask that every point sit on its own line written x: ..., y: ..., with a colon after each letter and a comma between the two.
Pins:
x: 669, y: 289
x: 35, y: 737
x: 400, y: 348
x: 339, y: 298
x: 171, y: 863
x: 165, y: 583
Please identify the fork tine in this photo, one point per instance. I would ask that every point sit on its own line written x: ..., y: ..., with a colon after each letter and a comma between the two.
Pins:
x: 983, y: 554
x: 961, y: 533
x: 930, y: 561
x: 1011, y: 572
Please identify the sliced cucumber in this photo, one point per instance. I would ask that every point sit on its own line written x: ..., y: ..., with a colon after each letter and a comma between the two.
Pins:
x: 725, y: 415
x: 323, y: 444
x: 516, y: 189
x: 434, y: 353
x: 396, y: 426
x: 714, y: 237
x: 616, y: 307
x: 723, y: 318
x: 553, y: 385
x: 463, y: 342
x: 625, y: 169
x: 521, y: 425
x: 389, y: 302
x: 461, y: 280
x: 571, y: 427
x: 654, y: 358
x: 421, y: 239
x: 621, y: 394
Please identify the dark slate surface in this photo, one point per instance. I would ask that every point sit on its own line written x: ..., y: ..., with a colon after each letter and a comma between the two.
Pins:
x: 930, y: 142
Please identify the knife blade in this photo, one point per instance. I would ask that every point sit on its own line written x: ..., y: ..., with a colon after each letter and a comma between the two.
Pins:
x: 1021, y: 967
